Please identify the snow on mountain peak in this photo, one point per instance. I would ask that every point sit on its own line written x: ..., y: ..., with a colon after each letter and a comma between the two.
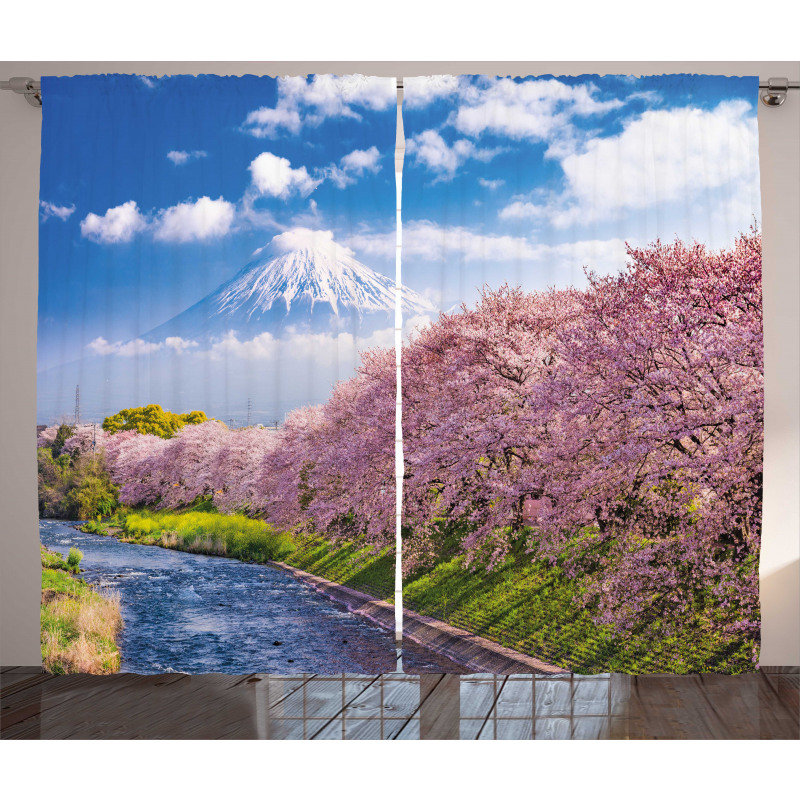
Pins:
x: 309, y: 267
x: 305, y: 239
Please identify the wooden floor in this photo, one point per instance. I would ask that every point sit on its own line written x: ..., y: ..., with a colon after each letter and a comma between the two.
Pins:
x: 763, y: 705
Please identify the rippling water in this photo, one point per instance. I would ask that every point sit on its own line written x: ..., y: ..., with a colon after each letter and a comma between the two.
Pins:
x: 185, y: 612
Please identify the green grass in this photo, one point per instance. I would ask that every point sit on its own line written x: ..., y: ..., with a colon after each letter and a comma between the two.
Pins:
x: 529, y: 606
x: 524, y: 604
x: 354, y: 565
x: 234, y: 536
x: 94, y: 526
x: 79, y: 627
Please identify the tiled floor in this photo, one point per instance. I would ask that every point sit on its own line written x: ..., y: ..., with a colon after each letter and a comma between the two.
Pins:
x: 763, y: 705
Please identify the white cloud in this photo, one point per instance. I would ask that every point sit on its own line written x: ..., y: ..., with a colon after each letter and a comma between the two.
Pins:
x: 664, y: 155
x: 201, y: 220
x: 428, y: 242
x: 432, y: 151
x: 179, y: 157
x: 421, y: 91
x: 603, y: 256
x: 324, y: 348
x: 139, y: 347
x: 194, y: 221
x: 649, y: 96
x: 260, y: 347
x: 118, y: 224
x: 431, y: 242
x: 433, y: 295
x: 532, y: 109
x: 307, y: 239
x: 522, y: 209
x: 360, y: 161
x: 352, y: 166
x: 491, y: 185
x: 304, y: 101
x: 266, y: 122
x: 135, y: 347
x: 179, y: 345
x: 333, y: 96
x: 371, y: 243
x: 52, y: 210
x: 707, y: 159
x: 273, y: 176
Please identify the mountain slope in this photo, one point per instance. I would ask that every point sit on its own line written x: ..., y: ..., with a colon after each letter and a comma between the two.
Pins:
x: 302, y: 280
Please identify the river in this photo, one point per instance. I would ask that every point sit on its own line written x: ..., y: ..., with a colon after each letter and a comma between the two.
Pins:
x: 185, y: 612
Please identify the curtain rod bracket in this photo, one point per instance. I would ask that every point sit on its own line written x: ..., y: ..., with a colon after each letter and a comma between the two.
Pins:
x: 775, y: 92
x: 28, y: 87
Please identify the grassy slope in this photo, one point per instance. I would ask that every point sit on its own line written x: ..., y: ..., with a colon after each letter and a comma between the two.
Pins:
x: 360, y: 568
x: 79, y: 627
x: 526, y: 605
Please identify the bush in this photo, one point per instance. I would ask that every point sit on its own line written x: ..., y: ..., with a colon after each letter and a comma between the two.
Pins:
x: 75, y: 488
x: 74, y: 558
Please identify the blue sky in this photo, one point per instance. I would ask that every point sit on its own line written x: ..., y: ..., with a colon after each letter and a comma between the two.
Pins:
x: 155, y: 191
x: 139, y: 154
x: 528, y: 180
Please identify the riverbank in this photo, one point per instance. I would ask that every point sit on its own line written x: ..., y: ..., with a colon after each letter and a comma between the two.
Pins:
x: 79, y: 626
x: 475, y: 653
x: 444, y: 596
x: 523, y: 604
x: 193, y: 613
x: 198, y: 531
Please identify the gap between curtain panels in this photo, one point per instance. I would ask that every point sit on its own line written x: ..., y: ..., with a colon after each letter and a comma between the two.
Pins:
x: 398, y: 346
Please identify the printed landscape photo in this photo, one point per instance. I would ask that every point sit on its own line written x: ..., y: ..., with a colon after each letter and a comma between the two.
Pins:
x: 582, y: 372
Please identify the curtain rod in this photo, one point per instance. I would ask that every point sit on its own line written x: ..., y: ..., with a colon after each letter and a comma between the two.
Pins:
x: 774, y: 94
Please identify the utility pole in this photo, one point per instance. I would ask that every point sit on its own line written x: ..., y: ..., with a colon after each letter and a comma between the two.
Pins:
x: 94, y: 437
x: 77, y: 405
x: 249, y: 412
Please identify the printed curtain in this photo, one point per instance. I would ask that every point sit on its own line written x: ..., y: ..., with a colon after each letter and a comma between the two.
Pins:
x: 578, y: 334
x: 583, y: 422
x: 207, y: 309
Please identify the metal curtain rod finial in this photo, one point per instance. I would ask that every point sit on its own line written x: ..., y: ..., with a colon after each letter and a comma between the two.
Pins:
x: 773, y: 94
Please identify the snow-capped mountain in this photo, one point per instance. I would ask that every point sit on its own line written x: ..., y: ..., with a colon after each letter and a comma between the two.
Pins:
x: 301, y: 280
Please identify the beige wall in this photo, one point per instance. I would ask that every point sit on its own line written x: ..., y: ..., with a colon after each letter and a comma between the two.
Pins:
x: 20, y: 124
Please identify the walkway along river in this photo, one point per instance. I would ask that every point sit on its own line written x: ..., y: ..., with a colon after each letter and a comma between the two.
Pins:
x: 185, y: 612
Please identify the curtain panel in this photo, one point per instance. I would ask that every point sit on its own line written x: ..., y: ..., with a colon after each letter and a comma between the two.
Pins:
x: 583, y: 421
x: 208, y: 371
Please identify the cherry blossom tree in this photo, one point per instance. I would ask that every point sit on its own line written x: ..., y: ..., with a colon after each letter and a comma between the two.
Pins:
x: 85, y: 439
x: 235, y: 473
x: 47, y: 437
x: 136, y: 466
x: 185, y: 469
